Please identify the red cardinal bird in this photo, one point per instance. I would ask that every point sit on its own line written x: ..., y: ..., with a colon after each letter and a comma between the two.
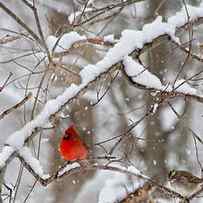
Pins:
x: 71, y: 146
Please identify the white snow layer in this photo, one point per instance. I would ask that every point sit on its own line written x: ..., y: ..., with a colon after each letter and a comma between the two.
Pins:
x: 6, y: 152
x: 142, y: 76
x: 69, y: 167
x: 63, y: 43
x: 129, y: 41
x: 115, y: 188
x: 73, y: 16
x: 110, y: 38
x: 139, y: 74
x: 34, y: 163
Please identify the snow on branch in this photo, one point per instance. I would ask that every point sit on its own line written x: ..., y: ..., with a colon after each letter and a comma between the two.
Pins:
x: 144, y: 78
x: 130, y: 41
x: 5, y: 154
x: 34, y: 167
x: 63, y: 43
x: 115, y: 187
x: 34, y: 163
x: 141, y: 75
x: 73, y: 16
x: 127, y: 171
x: 181, y: 18
x: 69, y: 169
x: 60, y: 46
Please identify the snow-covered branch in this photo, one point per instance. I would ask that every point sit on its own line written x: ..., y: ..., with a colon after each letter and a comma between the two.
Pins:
x: 68, y: 169
x: 140, y: 76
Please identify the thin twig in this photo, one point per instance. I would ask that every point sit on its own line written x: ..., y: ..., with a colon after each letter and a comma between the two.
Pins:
x: 190, y: 45
x: 16, y: 106
x: 39, y: 27
x: 106, y: 9
x: 20, y: 22
x: 6, y: 81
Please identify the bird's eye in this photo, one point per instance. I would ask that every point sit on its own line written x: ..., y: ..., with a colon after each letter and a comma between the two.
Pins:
x: 66, y: 137
x: 171, y: 174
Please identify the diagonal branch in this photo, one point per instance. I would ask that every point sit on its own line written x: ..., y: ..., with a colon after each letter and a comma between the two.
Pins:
x: 16, y: 106
x: 20, y: 22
